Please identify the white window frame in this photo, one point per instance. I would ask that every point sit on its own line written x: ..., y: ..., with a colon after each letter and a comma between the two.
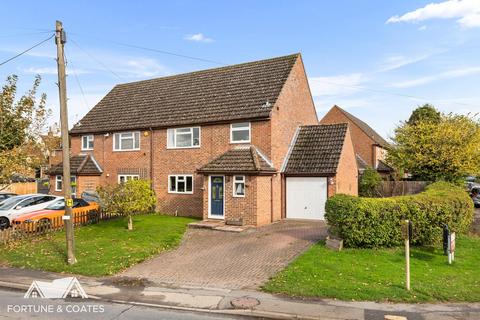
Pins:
x: 126, y: 176
x: 232, y: 129
x: 118, y: 135
x: 58, y: 178
x: 242, y: 180
x: 173, y: 131
x: 176, y: 183
x: 88, y: 138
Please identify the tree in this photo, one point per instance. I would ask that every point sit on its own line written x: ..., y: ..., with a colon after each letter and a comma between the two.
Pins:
x: 126, y: 199
x: 448, y: 149
x: 369, y: 182
x: 21, y: 123
x: 427, y: 112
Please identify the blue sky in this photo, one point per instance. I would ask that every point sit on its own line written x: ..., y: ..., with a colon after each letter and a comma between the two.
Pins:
x: 377, y: 59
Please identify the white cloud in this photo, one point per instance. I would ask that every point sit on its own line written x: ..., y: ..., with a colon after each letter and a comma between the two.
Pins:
x: 336, y: 85
x: 456, y: 73
x: 52, y: 70
x: 396, y: 62
x: 467, y: 13
x: 422, y: 28
x: 198, y: 37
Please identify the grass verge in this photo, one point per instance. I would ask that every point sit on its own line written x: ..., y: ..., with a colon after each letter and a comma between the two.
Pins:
x: 379, y: 274
x: 101, y: 249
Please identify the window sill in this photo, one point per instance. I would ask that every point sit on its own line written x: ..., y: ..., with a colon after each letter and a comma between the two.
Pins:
x: 181, y: 148
x: 240, y: 142
x: 172, y: 192
x: 129, y: 150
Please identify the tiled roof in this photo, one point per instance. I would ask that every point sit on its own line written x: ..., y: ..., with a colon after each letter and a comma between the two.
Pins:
x: 82, y: 165
x: 317, y: 149
x: 366, y: 128
x: 361, y: 164
x: 242, y: 91
x: 383, y: 167
x: 242, y: 159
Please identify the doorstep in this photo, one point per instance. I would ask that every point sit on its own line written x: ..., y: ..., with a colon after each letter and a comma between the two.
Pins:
x: 218, y: 225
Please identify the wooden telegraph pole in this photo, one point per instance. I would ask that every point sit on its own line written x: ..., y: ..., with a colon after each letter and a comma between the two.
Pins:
x: 60, y: 40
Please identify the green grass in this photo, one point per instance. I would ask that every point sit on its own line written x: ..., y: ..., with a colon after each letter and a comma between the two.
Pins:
x: 379, y: 275
x: 101, y: 249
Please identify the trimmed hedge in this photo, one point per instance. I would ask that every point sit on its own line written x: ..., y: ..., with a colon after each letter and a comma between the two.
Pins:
x: 376, y: 222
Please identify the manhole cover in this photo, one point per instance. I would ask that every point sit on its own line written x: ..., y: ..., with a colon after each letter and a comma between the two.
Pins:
x: 244, y: 303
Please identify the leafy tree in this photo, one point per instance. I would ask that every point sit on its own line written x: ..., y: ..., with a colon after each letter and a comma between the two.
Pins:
x: 21, y: 123
x: 445, y: 150
x: 427, y: 112
x: 126, y: 199
x: 369, y: 182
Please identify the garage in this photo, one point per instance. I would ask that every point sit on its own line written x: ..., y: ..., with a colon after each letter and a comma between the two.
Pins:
x: 320, y: 164
x: 306, y: 197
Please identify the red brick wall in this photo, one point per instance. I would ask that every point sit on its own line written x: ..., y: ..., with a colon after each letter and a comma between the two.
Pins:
x: 236, y: 207
x: 362, y: 143
x: 293, y: 108
x: 264, y: 200
x: 215, y: 140
x: 84, y: 183
x: 346, y: 179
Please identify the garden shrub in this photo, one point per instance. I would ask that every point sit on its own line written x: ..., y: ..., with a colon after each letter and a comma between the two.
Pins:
x: 376, y: 222
x: 127, y: 199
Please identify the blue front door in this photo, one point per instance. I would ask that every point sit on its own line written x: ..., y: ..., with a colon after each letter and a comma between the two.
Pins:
x: 216, y: 196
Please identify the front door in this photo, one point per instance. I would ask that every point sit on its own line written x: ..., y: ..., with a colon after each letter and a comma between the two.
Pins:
x: 216, y: 197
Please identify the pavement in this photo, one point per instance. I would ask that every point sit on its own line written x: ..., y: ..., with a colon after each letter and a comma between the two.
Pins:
x: 61, y: 309
x: 230, y: 302
x: 230, y: 260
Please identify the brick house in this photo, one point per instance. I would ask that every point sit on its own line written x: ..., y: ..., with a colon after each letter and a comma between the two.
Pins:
x: 212, y: 142
x: 370, y: 147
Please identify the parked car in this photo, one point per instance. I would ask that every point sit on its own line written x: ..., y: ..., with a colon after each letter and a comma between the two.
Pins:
x: 475, y: 195
x: 52, y: 215
x: 16, y: 206
x: 6, y: 195
x: 90, y: 196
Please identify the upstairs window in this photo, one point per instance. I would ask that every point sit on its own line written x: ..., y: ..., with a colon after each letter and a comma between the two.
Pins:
x: 240, y: 132
x: 126, y: 141
x: 87, y: 142
x: 122, y: 178
x: 239, y: 186
x: 180, y: 184
x: 183, y: 138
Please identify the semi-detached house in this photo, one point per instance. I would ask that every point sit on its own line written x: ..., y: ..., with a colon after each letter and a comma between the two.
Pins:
x: 217, y: 144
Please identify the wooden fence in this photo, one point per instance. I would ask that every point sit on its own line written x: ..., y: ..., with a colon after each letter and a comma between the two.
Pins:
x: 20, y: 187
x: 401, y: 188
x: 25, y: 230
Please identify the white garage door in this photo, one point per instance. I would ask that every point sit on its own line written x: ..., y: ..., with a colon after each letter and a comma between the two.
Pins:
x: 306, y: 197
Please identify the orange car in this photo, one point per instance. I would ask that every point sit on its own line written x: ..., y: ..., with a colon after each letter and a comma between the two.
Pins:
x: 52, y: 215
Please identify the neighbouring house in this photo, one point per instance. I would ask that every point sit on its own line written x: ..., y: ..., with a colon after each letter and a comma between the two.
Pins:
x: 370, y: 147
x: 214, y: 143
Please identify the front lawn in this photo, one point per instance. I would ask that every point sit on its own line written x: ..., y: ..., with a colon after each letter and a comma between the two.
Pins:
x: 101, y: 249
x: 369, y: 274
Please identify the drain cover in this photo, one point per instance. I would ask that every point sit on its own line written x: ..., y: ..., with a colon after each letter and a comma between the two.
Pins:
x: 244, y: 303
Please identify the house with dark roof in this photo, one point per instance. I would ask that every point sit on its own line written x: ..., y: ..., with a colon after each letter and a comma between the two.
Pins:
x: 214, y: 143
x: 370, y: 147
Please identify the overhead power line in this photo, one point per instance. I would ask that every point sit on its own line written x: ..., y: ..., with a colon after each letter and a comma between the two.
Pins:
x: 68, y: 62
x: 170, y: 53
x: 25, y: 51
x: 104, y: 66
x: 391, y: 93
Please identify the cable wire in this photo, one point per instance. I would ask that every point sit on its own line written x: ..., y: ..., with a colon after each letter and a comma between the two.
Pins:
x: 105, y: 67
x: 68, y: 62
x: 128, y: 45
x: 392, y: 93
x: 25, y: 51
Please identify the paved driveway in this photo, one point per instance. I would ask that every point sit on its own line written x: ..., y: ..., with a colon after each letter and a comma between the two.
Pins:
x: 216, y: 259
